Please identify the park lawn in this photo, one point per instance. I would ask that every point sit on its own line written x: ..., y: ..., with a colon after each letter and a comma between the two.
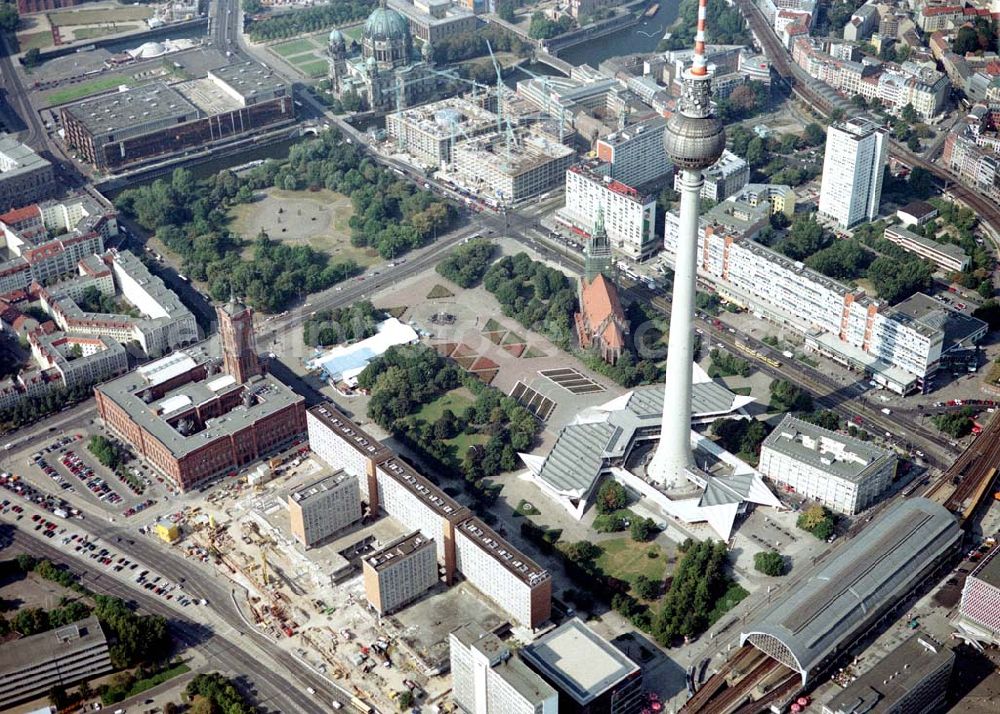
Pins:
x: 741, y: 391
x: 90, y: 33
x: 86, y: 89
x: 292, y: 47
x: 317, y: 68
x: 456, y: 400
x: 354, y: 32
x: 626, y: 559
x: 96, y: 17
x: 34, y: 40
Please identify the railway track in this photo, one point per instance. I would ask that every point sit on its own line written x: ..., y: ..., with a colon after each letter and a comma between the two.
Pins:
x: 973, y: 473
x: 784, y: 689
x: 736, y: 694
x: 717, y: 680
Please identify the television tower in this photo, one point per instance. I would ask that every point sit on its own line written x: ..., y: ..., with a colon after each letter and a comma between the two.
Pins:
x: 694, y: 139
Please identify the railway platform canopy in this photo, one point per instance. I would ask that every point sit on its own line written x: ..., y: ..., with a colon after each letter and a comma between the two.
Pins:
x: 812, y: 625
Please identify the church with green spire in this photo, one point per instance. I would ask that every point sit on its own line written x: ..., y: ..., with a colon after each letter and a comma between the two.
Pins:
x: 601, y: 322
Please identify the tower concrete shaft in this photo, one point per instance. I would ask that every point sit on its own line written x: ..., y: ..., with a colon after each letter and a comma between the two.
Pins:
x: 694, y: 139
x: 673, y: 454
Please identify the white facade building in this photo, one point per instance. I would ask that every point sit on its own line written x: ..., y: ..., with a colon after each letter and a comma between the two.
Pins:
x: 844, y: 474
x: 727, y: 176
x: 853, y: 167
x: 838, y: 321
x: 635, y: 154
x: 320, y: 509
x: 509, y: 578
x: 342, y: 444
x: 629, y: 218
x: 488, y: 679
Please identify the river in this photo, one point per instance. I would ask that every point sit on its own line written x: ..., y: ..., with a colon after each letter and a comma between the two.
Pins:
x: 643, y: 37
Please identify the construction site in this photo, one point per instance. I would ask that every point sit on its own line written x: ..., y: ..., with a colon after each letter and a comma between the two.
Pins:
x: 312, y: 600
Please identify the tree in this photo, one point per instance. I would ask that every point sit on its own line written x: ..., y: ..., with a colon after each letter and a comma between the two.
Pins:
x: 817, y: 520
x: 787, y: 397
x: 203, y: 705
x: 31, y: 57
x: 8, y: 17
x: 646, y: 588
x: 909, y: 114
x: 989, y: 312
x: 86, y: 692
x: 611, y: 497
x: 823, y: 418
x: 404, y: 700
x: 805, y: 237
x: 769, y: 562
x: 505, y: 10
x: 814, y: 134
x: 913, y: 143
x: 642, y: 529
x: 581, y: 552
x: 58, y: 698
x: 252, y: 7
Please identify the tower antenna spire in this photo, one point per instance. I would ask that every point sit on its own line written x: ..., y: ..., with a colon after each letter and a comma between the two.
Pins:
x: 700, y: 67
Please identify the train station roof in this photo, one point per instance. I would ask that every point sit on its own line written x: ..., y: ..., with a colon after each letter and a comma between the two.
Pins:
x: 816, y: 621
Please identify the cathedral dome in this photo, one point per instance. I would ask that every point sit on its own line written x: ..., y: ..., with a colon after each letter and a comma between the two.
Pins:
x: 386, y: 24
x: 336, y: 39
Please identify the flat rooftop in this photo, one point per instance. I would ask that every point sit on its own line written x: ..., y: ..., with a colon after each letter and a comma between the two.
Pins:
x: 510, y: 669
x: 269, y: 396
x: 502, y: 551
x: 837, y: 454
x: 249, y: 79
x: 28, y: 652
x: 353, y: 434
x: 16, y: 157
x: 208, y: 96
x: 946, y: 249
x: 989, y: 570
x: 435, y: 498
x: 579, y: 661
x: 655, y: 124
x: 880, y: 689
x: 327, y: 483
x: 399, y: 549
x: 958, y: 327
x: 152, y: 102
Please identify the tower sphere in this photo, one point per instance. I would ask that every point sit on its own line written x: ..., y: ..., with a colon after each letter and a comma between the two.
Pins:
x: 694, y: 142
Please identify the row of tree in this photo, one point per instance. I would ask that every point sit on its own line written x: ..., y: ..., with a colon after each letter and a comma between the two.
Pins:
x: 543, y: 27
x: 701, y: 590
x: 106, y: 451
x: 355, y: 322
x: 727, y: 364
x: 310, y: 19
x: 466, y: 265
x: 469, y: 45
x: 537, y: 296
x: 214, y: 693
x: 30, y: 409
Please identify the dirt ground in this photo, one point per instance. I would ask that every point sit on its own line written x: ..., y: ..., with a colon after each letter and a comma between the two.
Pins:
x: 314, y: 218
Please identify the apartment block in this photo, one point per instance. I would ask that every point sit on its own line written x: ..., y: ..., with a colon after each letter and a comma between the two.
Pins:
x: 419, y: 505
x: 31, y: 666
x: 629, y: 217
x: 729, y: 175
x: 320, y: 509
x: 505, y: 575
x: 487, y: 678
x: 846, y: 475
x: 25, y: 177
x: 342, y: 444
x: 836, y: 320
x: 400, y: 572
x: 635, y: 154
x: 946, y: 256
x: 853, y: 167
